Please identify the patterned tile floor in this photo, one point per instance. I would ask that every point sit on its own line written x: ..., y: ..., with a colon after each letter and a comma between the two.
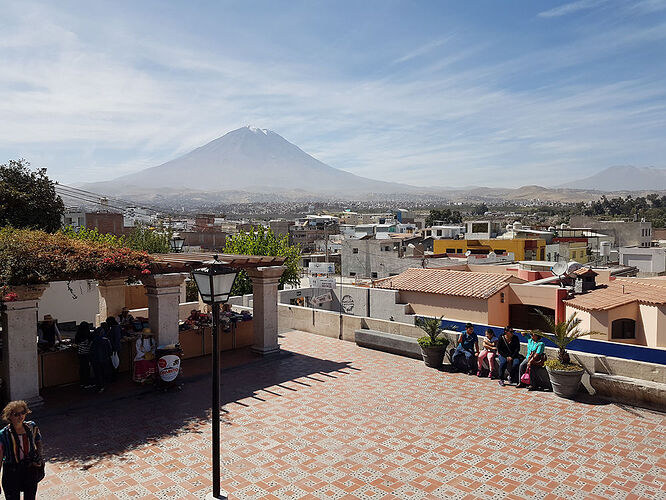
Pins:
x: 335, y: 421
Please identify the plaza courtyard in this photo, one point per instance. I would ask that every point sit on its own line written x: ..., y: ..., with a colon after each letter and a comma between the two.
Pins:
x: 327, y: 419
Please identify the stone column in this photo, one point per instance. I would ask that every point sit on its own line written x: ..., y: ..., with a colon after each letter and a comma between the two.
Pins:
x: 163, y: 291
x: 265, y: 282
x: 19, y: 344
x: 111, y: 297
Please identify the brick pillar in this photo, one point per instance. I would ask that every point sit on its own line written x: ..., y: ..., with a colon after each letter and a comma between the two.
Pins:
x: 111, y: 297
x: 163, y: 291
x: 19, y: 344
x: 265, y: 282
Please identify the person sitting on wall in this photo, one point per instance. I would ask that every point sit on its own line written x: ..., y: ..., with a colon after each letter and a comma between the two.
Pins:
x: 508, y: 355
x: 536, y: 357
x: 48, y: 332
x: 467, y: 348
x: 489, y: 351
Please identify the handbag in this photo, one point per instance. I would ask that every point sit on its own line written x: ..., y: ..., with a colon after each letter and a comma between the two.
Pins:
x: 539, y: 360
x: 35, y: 468
x: 525, y: 378
x: 115, y: 360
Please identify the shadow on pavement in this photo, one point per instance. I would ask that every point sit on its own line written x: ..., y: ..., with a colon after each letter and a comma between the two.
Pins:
x: 113, y: 427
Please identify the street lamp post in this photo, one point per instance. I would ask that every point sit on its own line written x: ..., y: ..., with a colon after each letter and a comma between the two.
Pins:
x: 214, y: 283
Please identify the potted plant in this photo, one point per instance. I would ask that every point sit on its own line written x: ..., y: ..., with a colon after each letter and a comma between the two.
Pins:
x: 564, y: 375
x: 433, y: 344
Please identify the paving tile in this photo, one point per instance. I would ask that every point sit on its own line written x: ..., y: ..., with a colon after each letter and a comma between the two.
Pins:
x: 335, y: 421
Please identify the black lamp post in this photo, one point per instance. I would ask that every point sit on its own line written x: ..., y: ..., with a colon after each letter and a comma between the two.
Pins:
x: 214, y: 283
x: 177, y: 243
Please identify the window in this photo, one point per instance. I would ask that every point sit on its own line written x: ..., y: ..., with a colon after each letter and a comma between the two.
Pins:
x: 374, y: 275
x: 439, y: 232
x: 352, y: 274
x: 354, y: 250
x: 623, y: 328
x: 387, y: 249
x: 479, y: 227
x: 450, y: 250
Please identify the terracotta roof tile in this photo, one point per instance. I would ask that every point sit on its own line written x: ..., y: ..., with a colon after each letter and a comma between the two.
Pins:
x: 447, y: 282
x: 617, y: 293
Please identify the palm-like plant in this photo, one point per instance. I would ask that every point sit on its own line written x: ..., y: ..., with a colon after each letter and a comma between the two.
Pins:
x: 433, y: 329
x: 563, y: 333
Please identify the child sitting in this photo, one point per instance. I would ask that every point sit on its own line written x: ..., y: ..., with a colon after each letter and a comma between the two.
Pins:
x: 489, y: 351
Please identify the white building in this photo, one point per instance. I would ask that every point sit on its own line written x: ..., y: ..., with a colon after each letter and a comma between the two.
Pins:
x: 649, y: 261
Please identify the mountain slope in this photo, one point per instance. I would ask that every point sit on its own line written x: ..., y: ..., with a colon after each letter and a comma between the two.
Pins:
x: 623, y: 178
x: 247, y: 159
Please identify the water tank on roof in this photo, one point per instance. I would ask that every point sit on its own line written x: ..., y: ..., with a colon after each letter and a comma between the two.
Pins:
x: 604, y: 248
x: 563, y: 226
x: 517, y: 226
x: 551, y: 228
x: 509, y: 227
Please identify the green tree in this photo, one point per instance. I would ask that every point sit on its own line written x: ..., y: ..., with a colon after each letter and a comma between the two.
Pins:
x: 28, y: 198
x: 141, y: 238
x: 480, y: 209
x: 444, y: 215
x: 261, y: 241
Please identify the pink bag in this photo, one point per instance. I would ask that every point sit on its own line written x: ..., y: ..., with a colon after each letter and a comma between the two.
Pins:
x: 525, y: 379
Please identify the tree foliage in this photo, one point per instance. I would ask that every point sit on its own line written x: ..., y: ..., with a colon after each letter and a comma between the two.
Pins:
x: 140, y: 238
x: 28, y: 198
x: 443, y: 215
x: 651, y: 207
x: 261, y: 241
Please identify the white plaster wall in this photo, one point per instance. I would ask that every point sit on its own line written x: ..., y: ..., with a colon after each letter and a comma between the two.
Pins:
x: 59, y: 302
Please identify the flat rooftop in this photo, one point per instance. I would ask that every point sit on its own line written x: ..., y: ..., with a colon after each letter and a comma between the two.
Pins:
x: 333, y: 420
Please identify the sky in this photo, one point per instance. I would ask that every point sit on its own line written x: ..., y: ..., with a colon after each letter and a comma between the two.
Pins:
x: 429, y: 93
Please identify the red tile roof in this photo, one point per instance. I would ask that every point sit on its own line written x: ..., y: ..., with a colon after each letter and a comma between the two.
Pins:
x: 447, y: 282
x: 619, y: 292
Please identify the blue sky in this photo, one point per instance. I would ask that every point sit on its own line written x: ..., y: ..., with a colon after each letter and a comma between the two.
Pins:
x: 439, y: 93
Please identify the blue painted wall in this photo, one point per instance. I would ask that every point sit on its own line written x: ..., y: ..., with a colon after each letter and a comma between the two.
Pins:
x: 613, y: 349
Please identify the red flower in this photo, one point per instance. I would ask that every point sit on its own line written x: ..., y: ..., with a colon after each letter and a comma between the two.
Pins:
x: 10, y: 297
x: 145, y: 271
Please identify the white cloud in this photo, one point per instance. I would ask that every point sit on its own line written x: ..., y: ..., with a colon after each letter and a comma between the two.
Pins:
x: 572, y: 7
x: 93, y: 112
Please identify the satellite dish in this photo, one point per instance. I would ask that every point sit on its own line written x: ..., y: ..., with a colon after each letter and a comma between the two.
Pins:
x: 468, y: 253
x: 573, y: 266
x: 560, y: 269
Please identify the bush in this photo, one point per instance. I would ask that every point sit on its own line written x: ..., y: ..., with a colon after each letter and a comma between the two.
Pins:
x: 30, y: 257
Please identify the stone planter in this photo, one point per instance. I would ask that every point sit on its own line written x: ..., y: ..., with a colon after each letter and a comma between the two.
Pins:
x: 565, y: 383
x: 433, y: 356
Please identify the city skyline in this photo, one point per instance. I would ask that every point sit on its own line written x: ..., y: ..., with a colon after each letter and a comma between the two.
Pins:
x: 448, y: 95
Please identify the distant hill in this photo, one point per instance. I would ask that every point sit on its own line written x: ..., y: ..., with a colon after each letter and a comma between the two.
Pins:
x: 246, y: 160
x: 623, y: 178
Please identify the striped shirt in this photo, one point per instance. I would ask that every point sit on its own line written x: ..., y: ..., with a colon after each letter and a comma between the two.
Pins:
x: 14, y: 450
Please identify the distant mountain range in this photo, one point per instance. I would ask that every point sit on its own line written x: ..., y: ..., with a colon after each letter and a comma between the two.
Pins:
x: 251, y: 164
x: 622, y: 178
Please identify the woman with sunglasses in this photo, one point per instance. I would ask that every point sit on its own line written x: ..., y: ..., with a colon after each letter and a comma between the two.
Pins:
x: 21, y: 453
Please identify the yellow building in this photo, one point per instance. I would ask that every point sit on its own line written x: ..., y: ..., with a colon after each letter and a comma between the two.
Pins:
x: 522, y: 249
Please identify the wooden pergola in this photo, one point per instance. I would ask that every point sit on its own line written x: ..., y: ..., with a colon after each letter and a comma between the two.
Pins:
x: 186, y: 262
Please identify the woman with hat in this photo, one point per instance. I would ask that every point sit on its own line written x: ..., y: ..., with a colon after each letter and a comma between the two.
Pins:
x: 144, y: 361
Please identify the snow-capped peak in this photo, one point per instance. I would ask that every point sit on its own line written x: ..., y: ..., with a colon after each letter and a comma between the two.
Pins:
x: 257, y: 130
